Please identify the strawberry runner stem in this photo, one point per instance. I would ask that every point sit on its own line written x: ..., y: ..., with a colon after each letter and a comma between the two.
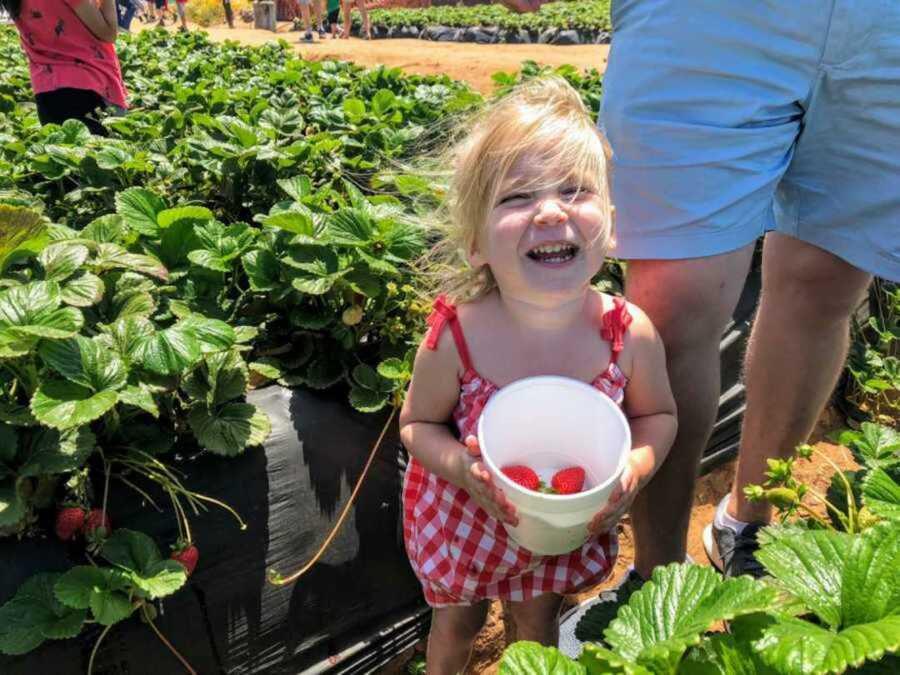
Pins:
x: 274, y: 577
x: 90, y: 669
x: 165, y: 641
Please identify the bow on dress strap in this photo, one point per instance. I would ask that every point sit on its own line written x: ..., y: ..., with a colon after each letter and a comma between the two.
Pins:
x: 614, y: 324
x: 441, y: 313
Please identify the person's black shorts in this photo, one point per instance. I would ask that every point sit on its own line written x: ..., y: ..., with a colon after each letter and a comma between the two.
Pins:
x: 59, y: 105
x: 161, y: 4
x: 333, y: 15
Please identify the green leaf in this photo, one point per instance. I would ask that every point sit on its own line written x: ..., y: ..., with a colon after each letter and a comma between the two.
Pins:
x: 30, y: 310
x: 139, y: 209
x: 34, y: 615
x: 54, y: 451
x: 722, y: 654
x: 875, y: 445
x: 262, y: 269
x: 672, y: 610
x: 126, y: 336
x: 368, y: 378
x: 62, y: 404
x: 130, y: 550
x: 113, y: 256
x: 295, y: 220
x: 296, y: 187
x: 267, y: 370
x: 168, y: 217
x: 209, y: 260
x: 366, y: 400
x: 324, y: 372
x: 140, y: 396
x: 799, y: 647
x: 351, y: 227
x: 219, y: 378
x: 107, y: 229
x: 177, y: 242
x: 12, y: 502
x: 133, y: 304
x: 84, y: 290
x: 383, y: 101
x: 171, y: 351
x: 161, y: 579
x: 600, y: 661
x: 60, y: 261
x: 76, y: 586
x: 109, y: 608
x: 354, y: 108
x: 393, y: 369
x: 809, y: 565
x: 592, y: 624
x: 212, y: 334
x: 228, y: 429
x: 532, y: 658
x: 315, y: 285
x: 881, y: 494
x: 86, y: 362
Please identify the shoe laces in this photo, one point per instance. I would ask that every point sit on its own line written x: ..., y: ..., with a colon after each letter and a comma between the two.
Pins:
x: 741, y: 557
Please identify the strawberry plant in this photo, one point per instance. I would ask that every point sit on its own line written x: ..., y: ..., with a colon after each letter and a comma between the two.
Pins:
x: 593, y: 16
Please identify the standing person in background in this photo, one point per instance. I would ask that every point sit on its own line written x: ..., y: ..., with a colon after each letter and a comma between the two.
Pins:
x: 181, y: 6
x: 332, y: 15
x: 722, y: 119
x: 346, y: 6
x: 73, y: 62
x: 306, y: 8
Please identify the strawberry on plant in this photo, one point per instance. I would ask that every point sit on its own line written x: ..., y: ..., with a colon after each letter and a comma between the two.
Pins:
x: 187, y: 555
x: 69, y: 521
x: 97, y: 525
x: 522, y: 475
x: 568, y: 481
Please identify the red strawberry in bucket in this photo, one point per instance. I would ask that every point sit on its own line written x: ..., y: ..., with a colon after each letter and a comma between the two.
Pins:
x: 568, y: 481
x: 522, y: 475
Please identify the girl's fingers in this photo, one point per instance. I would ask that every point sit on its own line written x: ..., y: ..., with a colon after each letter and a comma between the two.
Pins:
x: 471, y: 444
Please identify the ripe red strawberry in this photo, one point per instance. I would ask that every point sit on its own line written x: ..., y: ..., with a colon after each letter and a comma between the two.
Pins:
x: 69, y: 521
x: 568, y: 481
x: 96, y: 520
x: 187, y: 556
x: 523, y: 475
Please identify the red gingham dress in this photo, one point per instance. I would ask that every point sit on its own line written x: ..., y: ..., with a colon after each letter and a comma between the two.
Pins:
x: 460, y: 554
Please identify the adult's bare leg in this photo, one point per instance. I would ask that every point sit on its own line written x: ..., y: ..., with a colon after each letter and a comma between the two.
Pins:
x: 537, y: 619
x: 690, y: 302
x: 797, y: 349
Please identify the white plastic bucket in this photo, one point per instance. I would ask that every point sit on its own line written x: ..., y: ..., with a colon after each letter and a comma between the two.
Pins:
x: 549, y: 423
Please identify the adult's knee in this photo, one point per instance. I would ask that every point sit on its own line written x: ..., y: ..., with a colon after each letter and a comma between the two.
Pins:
x: 689, y: 301
x: 810, y: 284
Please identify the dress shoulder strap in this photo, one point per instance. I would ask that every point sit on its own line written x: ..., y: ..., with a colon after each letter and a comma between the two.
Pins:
x: 613, y: 325
x: 443, y: 313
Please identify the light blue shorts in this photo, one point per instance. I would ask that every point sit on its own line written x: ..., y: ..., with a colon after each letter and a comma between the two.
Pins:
x: 729, y: 118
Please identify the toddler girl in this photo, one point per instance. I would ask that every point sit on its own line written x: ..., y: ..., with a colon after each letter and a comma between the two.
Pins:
x: 530, y: 212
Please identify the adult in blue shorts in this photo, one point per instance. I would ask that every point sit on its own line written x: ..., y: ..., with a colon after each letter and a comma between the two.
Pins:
x: 729, y: 120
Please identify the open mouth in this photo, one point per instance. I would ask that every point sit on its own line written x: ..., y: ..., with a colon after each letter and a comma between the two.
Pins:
x: 553, y: 254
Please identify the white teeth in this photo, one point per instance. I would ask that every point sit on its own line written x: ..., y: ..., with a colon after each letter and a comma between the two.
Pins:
x: 553, y: 248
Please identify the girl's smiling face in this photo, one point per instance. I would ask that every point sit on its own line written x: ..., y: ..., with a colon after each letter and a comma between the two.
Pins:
x: 543, y: 242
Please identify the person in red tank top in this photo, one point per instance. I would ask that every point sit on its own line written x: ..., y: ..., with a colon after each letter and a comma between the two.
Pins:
x: 530, y: 225
x: 70, y: 50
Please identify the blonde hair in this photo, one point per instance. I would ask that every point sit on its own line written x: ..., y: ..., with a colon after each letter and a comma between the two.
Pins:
x: 545, y: 118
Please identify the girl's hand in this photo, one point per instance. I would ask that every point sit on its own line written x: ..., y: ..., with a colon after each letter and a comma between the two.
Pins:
x: 619, y: 502
x: 479, y: 483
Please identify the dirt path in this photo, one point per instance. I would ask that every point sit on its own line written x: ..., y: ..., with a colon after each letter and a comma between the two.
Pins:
x: 465, y: 61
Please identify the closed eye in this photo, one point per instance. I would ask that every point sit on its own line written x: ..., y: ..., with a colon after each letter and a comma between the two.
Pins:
x: 514, y: 196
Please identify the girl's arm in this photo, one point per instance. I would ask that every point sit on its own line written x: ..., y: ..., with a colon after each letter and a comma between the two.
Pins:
x: 432, y: 396
x: 651, y: 412
x: 101, y: 20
